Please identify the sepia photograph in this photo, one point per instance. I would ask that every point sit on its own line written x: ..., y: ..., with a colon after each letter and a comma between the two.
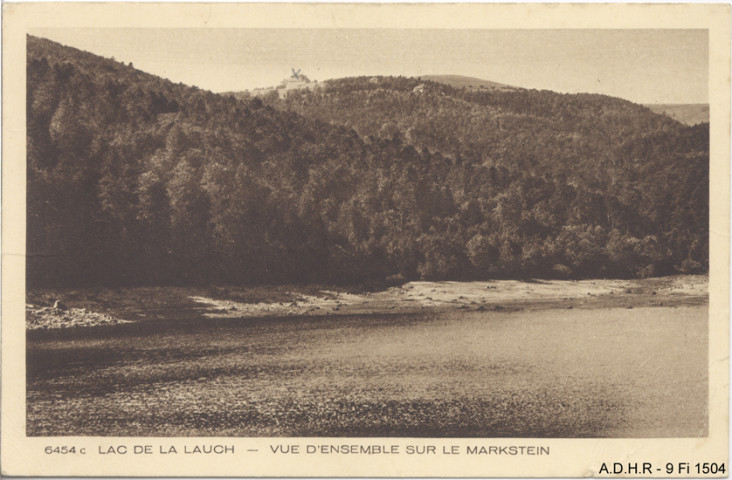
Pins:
x: 395, y: 247
x: 371, y: 233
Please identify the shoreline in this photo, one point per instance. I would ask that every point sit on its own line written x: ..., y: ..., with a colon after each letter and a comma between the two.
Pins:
x: 98, y: 307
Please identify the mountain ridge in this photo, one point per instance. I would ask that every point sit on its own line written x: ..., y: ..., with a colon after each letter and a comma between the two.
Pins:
x: 686, y: 113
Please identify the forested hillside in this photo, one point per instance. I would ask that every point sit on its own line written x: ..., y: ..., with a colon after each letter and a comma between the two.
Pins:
x: 135, y: 180
x: 581, y: 135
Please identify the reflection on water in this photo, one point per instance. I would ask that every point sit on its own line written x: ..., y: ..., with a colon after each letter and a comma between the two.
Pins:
x: 552, y: 373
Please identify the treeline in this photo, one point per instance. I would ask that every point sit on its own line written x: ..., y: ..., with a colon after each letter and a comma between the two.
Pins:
x: 132, y: 179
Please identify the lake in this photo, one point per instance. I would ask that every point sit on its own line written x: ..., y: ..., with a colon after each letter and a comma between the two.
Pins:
x: 559, y: 373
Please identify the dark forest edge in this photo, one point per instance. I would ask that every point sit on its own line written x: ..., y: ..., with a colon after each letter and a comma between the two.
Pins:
x: 134, y: 180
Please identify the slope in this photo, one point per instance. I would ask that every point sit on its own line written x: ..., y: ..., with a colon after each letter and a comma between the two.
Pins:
x: 515, y: 128
x: 686, y: 113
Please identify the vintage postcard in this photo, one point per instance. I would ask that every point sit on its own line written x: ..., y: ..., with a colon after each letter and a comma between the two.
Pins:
x: 365, y: 240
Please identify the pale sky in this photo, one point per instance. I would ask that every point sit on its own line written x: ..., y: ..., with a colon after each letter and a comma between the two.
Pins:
x: 644, y: 66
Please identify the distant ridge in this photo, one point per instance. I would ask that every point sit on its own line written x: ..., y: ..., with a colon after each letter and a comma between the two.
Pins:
x: 686, y: 113
x: 460, y: 81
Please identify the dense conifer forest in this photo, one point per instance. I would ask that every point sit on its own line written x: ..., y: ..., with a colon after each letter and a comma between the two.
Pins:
x: 133, y: 179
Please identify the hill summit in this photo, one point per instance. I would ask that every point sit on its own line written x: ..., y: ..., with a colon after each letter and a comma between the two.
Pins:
x: 296, y: 81
x: 461, y: 81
